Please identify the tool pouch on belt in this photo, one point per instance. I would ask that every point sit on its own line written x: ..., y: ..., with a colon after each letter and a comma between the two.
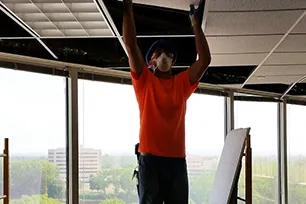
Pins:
x: 135, y: 173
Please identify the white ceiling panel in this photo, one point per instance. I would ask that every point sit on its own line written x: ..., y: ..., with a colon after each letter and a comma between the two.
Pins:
x: 286, y: 59
x: 281, y: 70
x: 242, y: 44
x: 237, y: 59
x: 61, y: 18
x: 293, y: 43
x: 273, y: 79
x: 301, y: 27
x: 250, y: 23
x: 243, y: 5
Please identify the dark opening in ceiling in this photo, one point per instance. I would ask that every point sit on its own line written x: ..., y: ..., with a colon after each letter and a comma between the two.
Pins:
x: 152, y: 20
x: 27, y: 47
x: 99, y: 52
x: 186, y: 50
x: 227, y: 74
x: 274, y: 88
x: 298, y: 89
x: 221, y: 75
x: 11, y: 29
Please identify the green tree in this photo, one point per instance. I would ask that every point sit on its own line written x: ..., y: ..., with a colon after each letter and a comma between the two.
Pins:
x: 200, y: 187
x: 112, y: 201
x: 34, y: 199
x: 109, y: 162
x: 126, y: 183
x: 33, y: 177
x: 101, y: 180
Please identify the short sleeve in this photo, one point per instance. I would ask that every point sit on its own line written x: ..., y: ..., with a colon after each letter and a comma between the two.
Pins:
x: 140, y: 81
x: 188, y: 88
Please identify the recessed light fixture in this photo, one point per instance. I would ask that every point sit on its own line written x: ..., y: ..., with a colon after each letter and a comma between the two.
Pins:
x: 261, y: 77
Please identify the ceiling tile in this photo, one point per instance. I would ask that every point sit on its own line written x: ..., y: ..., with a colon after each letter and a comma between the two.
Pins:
x: 281, y: 70
x: 285, y: 79
x: 237, y: 59
x: 301, y: 27
x: 60, y: 18
x: 242, y: 44
x: 242, y: 5
x: 293, y: 43
x: 250, y: 23
x: 286, y: 59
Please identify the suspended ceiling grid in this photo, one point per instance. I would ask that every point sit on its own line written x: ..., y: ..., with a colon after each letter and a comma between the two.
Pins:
x: 61, y: 18
x: 240, y: 34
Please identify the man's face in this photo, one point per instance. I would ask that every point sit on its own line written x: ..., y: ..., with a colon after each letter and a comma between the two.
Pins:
x: 162, y: 60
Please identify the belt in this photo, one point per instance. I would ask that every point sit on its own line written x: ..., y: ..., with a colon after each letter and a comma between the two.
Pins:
x: 145, y: 154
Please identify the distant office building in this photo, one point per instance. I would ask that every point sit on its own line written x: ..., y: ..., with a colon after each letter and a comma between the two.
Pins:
x: 195, y: 164
x: 199, y: 164
x: 89, y: 162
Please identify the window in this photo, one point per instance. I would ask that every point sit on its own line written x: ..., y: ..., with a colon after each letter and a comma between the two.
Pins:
x: 204, y: 143
x: 109, y: 125
x: 261, y: 117
x: 108, y: 132
x: 296, y: 115
x: 32, y: 116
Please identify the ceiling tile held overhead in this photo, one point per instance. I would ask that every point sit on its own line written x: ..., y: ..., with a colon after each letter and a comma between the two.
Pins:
x: 61, y: 18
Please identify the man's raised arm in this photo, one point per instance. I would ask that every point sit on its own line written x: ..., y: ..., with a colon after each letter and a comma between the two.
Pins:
x: 136, y: 60
x: 198, y: 68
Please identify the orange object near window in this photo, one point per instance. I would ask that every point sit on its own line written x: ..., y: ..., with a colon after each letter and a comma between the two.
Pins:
x: 162, y: 105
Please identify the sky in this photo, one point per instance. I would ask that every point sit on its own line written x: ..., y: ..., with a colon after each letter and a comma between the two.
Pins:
x: 32, y: 115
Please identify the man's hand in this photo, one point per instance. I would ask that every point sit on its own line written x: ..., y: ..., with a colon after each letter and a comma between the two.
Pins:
x: 127, y: 1
x: 198, y: 68
x: 196, y: 15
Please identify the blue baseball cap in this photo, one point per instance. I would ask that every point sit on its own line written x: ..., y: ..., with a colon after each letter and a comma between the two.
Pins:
x: 161, y: 44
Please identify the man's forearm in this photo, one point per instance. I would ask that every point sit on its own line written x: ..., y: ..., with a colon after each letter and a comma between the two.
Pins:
x: 129, y: 30
x: 201, y: 43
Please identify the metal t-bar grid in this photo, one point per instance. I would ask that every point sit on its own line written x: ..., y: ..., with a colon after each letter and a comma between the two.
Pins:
x: 5, y: 156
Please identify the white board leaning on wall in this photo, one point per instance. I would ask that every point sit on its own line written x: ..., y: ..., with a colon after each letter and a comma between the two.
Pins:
x: 231, y: 155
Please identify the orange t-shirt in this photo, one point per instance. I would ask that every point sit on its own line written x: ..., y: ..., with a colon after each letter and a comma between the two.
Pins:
x: 162, y: 105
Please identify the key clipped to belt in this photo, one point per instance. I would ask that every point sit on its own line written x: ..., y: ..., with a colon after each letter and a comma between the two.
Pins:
x: 135, y: 173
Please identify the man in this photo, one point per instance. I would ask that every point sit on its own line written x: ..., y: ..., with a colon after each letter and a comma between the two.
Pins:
x: 162, y: 100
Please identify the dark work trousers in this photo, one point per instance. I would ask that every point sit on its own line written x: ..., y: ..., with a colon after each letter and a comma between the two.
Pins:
x: 162, y: 180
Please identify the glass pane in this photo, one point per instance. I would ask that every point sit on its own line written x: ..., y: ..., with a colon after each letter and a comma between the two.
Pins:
x: 296, y: 129
x: 32, y: 116
x: 109, y: 125
x: 108, y: 132
x: 262, y: 118
x: 204, y: 143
